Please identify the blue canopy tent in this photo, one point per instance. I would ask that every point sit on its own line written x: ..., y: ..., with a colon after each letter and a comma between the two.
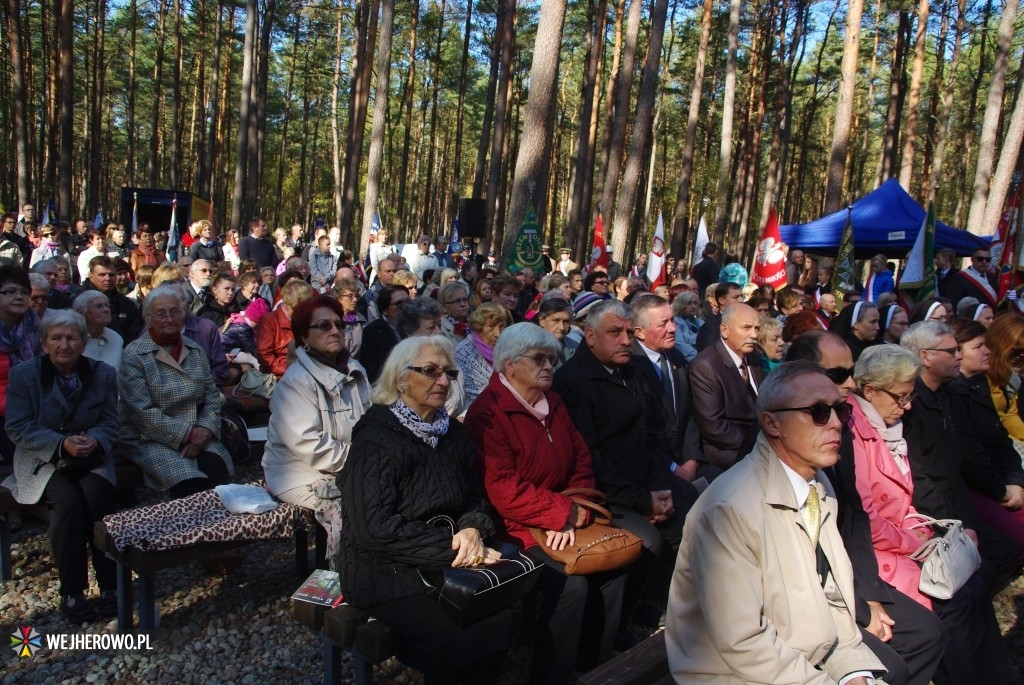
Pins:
x: 885, y: 220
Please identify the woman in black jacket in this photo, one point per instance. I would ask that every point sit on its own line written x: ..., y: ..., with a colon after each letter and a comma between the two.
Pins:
x: 409, y: 464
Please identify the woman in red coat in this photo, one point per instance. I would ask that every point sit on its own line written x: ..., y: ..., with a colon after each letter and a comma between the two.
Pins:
x: 530, y: 453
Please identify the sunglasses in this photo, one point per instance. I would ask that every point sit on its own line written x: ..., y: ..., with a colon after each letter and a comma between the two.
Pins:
x: 839, y: 374
x: 541, y: 359
x: 821, y: 413
x: 902, y: 401
x: 435, y: 372
x: 325, y: 326
x: 982, y: 259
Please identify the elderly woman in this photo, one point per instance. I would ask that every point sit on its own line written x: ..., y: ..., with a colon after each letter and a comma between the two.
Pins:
x: 530, y: 453
x: 62, y: 418
x: 885, y: 376
x: 312, y: 412
x: 555, y: 317
x: 474, y: 354
x: 421, y: 316
x: 169, y: 404
x: 454, y: 297
x: 347, y: 291
x: 408, y: 464
x: 102, y: 344
x: 274, y: 332
x: 248, y: 290
x: 39, y: 299
x: 857, y: 325
x: 991, y: 466
x: 893, y: 322
x: 770, y: 344
x: 19, y: 337
x: 685, y: 308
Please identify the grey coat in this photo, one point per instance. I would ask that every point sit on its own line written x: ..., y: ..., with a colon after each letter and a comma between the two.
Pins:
x: 36, y: 409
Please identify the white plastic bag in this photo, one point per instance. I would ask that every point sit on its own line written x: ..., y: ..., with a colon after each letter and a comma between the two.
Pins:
x: 245, y: 499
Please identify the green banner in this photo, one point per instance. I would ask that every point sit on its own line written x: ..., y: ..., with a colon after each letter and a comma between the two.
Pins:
x: 526, y: 251
x: 844, y: 277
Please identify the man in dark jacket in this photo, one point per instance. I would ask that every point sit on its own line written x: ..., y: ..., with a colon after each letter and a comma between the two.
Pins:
x: 726, y: 293
x: 125, y: 318
x: 706, y: 271
x: 257, y: 246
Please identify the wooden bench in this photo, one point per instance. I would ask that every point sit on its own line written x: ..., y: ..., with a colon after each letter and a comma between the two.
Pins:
x: 644, y: 664
x: 129, y: 477
x: 347, y: 629
x: 145, y: 564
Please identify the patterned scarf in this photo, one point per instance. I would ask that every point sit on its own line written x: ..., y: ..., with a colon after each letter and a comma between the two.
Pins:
x: 485, y: 350
x: 21, y: 342
x: 428, y: 432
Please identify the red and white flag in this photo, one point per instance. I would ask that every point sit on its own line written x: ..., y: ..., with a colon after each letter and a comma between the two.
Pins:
x: 656, y: 257
x: 599, y: 252
x: 770, y: 260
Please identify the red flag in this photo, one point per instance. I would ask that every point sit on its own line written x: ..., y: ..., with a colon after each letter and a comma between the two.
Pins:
x: 1007, y: 243
x: 770, y: 260
x: 599, y: 253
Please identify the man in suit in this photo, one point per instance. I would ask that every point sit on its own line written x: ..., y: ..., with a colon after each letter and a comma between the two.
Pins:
x: 974, y: 281
x: 724, y: 380
x: 908, y: 638
x: 945, y: 270
x: 665, y: 374
x: 763, y: 585
x: 726, y: 293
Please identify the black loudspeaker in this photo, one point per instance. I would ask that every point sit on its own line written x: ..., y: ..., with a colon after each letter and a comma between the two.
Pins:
x: 472, y: 218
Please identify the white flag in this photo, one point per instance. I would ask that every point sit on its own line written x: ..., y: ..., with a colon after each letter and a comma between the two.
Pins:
x: 656, y: 257
x: 701, y: 242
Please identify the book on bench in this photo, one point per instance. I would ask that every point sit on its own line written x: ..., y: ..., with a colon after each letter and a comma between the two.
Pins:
x: 323, y: 587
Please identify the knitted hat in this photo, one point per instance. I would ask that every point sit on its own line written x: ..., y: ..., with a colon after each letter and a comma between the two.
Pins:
x: 257, y: 309
x: 583, y: 303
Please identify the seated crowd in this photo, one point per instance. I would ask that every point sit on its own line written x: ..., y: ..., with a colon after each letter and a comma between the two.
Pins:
x: 771, y: 455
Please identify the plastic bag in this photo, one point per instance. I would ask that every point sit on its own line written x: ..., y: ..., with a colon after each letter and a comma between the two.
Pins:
x: 245, y: 499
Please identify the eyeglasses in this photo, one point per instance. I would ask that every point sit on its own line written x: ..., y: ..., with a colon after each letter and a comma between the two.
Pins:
x: 325, y: 326
x: 839, y: 374
x: 947, y: 350
x: 15, y: 292
x: 540, y: 359
x: 821, y: 412
x: 601, y: 282
x: 461, y: 300
x: 163, y: 314
x: 349, y: 296
x: 982, y: 259
x: 435, y: 372
x: 902, y: 401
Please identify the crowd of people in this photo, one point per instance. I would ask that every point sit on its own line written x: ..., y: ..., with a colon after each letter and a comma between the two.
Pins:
x: 770, y: 449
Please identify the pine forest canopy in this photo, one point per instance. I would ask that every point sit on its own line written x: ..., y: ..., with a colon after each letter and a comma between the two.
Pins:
x: 307, y: 111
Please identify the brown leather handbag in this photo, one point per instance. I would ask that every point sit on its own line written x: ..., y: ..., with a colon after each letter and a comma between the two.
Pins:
x: 600, y: 546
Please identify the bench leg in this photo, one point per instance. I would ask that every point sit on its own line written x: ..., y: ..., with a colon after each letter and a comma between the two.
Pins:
x: 125, y: 610
x: 5, y: 550
x: 147, y: 605
x: 320, y: 537
x: 301, y: 552
x: 363, y: 670
x: 332, y: 663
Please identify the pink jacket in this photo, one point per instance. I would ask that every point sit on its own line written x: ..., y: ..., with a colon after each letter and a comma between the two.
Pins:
x: 886, y: 494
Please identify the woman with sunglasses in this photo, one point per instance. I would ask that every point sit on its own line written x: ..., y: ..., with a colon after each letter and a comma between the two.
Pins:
x: 410, y: 463
x: 990, y: 464
x: 313, y: 410
x: 857, y: 325
x: 531, y: 452
x: 885, y: 376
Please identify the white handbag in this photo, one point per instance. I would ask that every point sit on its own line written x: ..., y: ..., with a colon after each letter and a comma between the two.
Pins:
x: 947, y: 562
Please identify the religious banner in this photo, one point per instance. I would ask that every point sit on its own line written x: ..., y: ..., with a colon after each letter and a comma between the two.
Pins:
x: 844, y: 277
x: 770, y: 260
x: 598, y: 253
x: 526, y: 250
x: 919, y: 274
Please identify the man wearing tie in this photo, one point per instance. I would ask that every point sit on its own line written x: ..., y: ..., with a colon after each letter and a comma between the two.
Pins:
x: 763, y: 589
x: 724, y: 380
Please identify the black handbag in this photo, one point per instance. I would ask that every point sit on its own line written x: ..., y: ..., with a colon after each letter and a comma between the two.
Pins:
x: 468, y: 595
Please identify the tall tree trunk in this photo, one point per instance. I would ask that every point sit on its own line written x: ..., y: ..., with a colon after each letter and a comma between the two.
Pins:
x: 96, y: 109
x: 947, y: 102
x: 66, y: 11
x: 728, y: 107
x: 586, y: 135
x: 153, y: 165
x: 501, y: 115
x: 897, y: 96
x: 640, y: 139
x: 990, y: 122
x: 492, y: 88
x: 772, y: 178
x: 380, y: 103
x: 680, y: 216
x: 934, y: 101
x: 131, y: 154
x: 844, y: 108
x: 289, y: 90
x: 459, y: 114
x: 427, y: 218
x: 336, y: 114
x: 620, y: 120
x: 1008, y: 159
x: 535, y: 145
x: 18, y: 92
x: 914, y: 97
x: 244, y: 113
x: 207, y: 162
x: 407, y: 101
x: 258, y: 115
x: 362, y: 69
x: 176, y: 104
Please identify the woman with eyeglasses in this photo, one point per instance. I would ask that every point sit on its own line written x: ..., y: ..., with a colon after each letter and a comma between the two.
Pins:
x: 313, y: 410
x: 347, y: 293
x: 530, y: 453
x: 857, y: 325
x: 885, y: 376
x: 454, y: 298
x: 410, y: 463
x: 475, y: 354
x: 893, y: 322
x: 935, y: 309
x: 19, y: 340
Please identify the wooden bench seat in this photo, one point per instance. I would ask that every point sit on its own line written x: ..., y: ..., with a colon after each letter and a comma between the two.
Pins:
x: 644, y: 664
x: 347, y: 629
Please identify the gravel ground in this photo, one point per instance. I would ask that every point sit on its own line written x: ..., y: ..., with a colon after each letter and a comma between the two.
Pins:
x: 235, y: 628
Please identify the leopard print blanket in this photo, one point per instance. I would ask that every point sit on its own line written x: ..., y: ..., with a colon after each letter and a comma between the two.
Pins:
x: 200, y: 518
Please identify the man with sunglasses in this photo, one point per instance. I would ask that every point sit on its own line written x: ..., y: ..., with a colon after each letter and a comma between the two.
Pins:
x: 762, y: 579
x: 904, y: 635
x: 975, y: 281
